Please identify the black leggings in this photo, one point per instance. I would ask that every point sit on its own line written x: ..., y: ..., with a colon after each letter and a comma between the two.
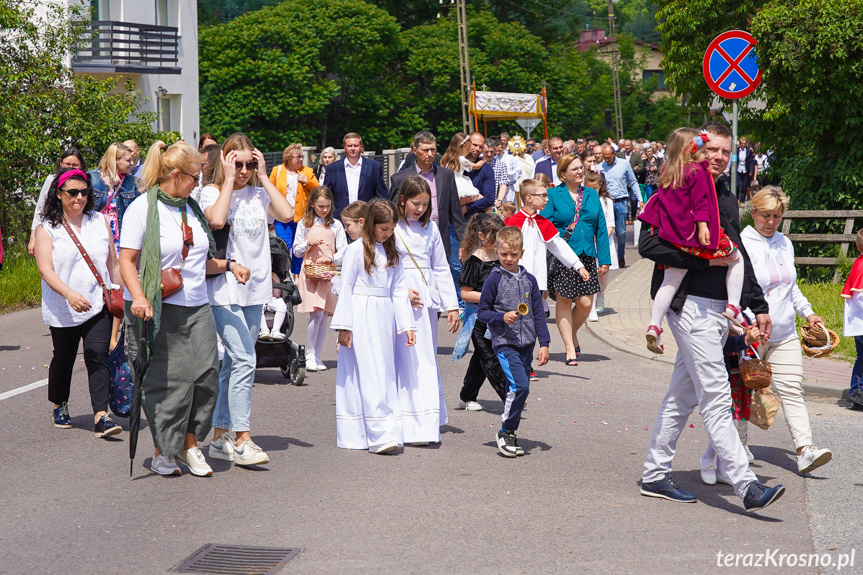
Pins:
x: 483, y: 364
x: 96, y: 333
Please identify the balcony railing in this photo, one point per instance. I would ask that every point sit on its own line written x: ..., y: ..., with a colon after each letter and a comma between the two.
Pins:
x: 124, y: 47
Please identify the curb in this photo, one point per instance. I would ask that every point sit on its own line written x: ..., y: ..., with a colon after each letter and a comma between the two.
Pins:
x: 595, y: 328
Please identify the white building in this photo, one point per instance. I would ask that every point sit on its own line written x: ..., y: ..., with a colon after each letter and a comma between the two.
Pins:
x: 155, y: 45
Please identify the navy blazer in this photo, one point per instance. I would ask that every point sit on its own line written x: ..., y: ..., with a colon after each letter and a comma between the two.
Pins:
x: 483, y: 181
x: 544, y: 167
x: 448, y: 204
x: 371, y: 183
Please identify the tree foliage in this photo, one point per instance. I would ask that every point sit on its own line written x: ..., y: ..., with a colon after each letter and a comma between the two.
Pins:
x: 45, y: 107
x: 811, y: 56
x: 311, y: 70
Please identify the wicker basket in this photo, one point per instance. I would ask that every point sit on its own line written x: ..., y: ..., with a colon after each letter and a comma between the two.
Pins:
x: 755, y: 372
x: 319, y: 271
x: 818, y: 341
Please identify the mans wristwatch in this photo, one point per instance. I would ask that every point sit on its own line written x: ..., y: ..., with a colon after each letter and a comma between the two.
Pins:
x: 228, y: 266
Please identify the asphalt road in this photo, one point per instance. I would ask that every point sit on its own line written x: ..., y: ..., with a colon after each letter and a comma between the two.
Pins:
x: 571, y: 505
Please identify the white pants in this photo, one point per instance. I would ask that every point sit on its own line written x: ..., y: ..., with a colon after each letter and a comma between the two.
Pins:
x: 699, y: 379
x: 786, y: 361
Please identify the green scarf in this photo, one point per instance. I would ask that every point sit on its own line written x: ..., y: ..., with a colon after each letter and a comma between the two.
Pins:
x: 151, y: 255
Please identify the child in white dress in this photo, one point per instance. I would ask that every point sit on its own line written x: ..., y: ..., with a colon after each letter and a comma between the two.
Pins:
x: 373, y: 308
x: 431, y: 291
x: 455, y: 159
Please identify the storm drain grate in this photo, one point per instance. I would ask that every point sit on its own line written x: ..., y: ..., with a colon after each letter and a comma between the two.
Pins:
x: 216, y: 559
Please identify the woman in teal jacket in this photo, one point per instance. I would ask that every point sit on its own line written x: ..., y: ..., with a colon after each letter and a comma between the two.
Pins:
x: 571, y: 203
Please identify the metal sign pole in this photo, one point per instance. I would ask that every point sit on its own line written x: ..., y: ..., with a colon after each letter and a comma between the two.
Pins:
x: 734, y: 148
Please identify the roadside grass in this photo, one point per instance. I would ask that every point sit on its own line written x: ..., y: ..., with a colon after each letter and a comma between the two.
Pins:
x: 827, y: 301
x: 20, y: 282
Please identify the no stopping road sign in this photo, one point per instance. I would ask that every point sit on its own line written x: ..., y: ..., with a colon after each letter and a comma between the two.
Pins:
x: 730, y: 65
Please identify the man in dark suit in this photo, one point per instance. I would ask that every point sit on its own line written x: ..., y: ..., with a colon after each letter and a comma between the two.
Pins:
x: 445, y: 205
x: 354, y: 177
x: 548, y: 166
x: 745, y: 170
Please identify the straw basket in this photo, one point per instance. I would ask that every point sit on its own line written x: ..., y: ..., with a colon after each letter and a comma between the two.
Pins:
x: 755, y: 373
x: 818, y: 341
x: 319, y: 271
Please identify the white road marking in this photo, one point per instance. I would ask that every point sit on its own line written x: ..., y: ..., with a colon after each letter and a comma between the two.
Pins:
x: 24, y: 389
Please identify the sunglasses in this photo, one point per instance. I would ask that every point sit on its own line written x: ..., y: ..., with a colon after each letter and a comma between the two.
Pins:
x: 250, y: 165
x: 74, y: 193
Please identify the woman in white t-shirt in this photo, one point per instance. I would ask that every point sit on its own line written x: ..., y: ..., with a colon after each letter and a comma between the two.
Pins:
x: 236, y: 198
x: 163, y: 228
x: 72, y: 303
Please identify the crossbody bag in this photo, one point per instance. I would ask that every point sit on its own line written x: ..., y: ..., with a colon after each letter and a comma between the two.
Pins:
x: 113, y: 297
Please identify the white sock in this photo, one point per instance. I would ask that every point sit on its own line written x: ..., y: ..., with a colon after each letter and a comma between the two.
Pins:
x: 278, y: 320
x: 315, y: 333
x: 670, y: 284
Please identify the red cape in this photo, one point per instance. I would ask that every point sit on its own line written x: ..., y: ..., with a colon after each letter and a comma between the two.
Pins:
x: 546, y: 228
x: 855, y: 278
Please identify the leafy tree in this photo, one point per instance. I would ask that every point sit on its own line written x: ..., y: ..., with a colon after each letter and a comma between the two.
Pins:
x: 303, y: 71
x: 688, y: 27
x: 46, y: 107
x: 811, y: 56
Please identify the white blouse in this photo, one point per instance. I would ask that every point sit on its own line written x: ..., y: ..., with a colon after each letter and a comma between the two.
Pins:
x: 773, y: 261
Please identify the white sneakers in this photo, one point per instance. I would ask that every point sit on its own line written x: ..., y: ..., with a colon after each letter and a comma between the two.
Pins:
x: 164, y: 465
x: 313, y: 364
x: 593, y: 316
x: 194, y: 460
x: 469, y: 406
x: 385, y: 448
x: 812, y: 458
x: 749, y: 457
x: 249, y: 454
x: 223, y: 448
x: 708, y: 474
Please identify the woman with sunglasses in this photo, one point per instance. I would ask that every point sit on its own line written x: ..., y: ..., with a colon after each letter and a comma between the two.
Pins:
x: 69, y: 159
x: 72, y: 302
x: 296, y: 182
x: 576, y: 212
x: 242, y: 197
x: 164, y: 229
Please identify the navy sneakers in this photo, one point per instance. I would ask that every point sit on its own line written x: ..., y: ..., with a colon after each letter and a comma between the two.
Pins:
x: 758, y: 496
x: 105, y: 427
x: 667, y: 489
x: 61, y: 416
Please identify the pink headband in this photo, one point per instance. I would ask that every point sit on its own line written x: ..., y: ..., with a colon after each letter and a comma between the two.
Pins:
x: 64, y: 177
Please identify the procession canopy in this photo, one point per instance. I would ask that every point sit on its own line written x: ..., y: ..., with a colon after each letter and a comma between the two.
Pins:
x: 506, y: 105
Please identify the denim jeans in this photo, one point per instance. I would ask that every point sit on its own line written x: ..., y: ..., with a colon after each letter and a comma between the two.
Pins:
x: 621, y: 210
x: 238, y: 327
x: 455, y: 263
x: 857, y: 372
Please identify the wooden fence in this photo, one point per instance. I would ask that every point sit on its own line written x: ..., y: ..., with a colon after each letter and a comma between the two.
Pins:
x: 845, y: 239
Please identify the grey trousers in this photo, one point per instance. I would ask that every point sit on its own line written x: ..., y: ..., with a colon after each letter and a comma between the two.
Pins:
x: 182, y: 383
x: 699, y: 379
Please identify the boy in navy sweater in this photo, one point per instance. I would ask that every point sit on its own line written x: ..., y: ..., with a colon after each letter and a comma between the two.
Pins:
x: 511, y: 305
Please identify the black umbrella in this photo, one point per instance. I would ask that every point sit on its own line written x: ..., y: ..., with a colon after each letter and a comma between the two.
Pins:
x: 141, y: 365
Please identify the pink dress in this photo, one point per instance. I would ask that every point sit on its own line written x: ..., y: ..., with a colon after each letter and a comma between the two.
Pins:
x: 318, y: 294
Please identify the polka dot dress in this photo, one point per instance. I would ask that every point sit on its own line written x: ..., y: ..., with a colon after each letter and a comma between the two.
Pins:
x: 568, y: 283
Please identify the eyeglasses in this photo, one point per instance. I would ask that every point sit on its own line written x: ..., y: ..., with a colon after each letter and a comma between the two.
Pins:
x: 295, y: 158
x: 74, y: 193
x: 250, y: 165
x: 194, y: 177
x: 577, y: 169
x: 76, y: 165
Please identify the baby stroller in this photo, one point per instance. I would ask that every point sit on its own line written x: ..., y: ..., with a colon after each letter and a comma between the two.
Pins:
x: 288, y: 356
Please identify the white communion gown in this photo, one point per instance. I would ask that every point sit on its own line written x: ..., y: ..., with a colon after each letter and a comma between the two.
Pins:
x: 463, y: 183
x: 375, y: 308
x: 420, y: 385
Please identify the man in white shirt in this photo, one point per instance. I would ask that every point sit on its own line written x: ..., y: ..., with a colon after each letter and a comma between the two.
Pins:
x: 354, y: 177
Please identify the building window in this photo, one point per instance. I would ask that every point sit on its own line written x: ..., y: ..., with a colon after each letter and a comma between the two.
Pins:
x: 163, y: 17
x: 165, y: 124
x: 658, y: 74
x: 101, y: 9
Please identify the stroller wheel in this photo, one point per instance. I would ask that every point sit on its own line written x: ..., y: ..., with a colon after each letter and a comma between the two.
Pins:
x: 295, y: 369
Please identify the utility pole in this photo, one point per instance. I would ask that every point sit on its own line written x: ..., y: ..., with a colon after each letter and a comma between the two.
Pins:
x: 464, y: 64
x: 615, y: 74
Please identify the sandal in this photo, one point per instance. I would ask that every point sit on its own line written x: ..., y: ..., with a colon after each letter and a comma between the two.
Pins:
x: 732, y: 313
x: 577, y: 351
x: 654, y: 340
x: 572, y: 362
